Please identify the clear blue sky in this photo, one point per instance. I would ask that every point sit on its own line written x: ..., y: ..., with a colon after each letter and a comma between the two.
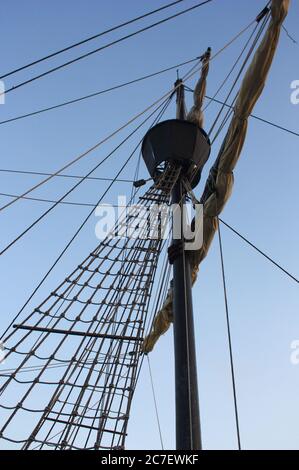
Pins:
x: 263, y: 302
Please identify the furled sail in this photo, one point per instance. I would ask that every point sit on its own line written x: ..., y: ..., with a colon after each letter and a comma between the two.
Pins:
x: 220, y: 181
x: 195, y: 114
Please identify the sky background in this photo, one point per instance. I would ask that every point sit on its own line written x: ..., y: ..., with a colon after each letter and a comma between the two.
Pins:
x: 263, y: 302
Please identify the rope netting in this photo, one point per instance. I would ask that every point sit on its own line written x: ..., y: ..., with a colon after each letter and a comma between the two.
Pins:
x: 74, y: 359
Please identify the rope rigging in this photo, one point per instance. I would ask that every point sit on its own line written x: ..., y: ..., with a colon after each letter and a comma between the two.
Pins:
x: 229, y: 336
x: 60, y: 256
x: 294, y: 41
x: 155, y: 401
x: 234, y: 84
x: 90, y: 204
x: 101, y: 92
x: 186, y: 77
x: 219, y: 184
x: 91, y: 38
x: 163, y: 280
x: 236, y: 232
x: 76, y: 358
x: 69, y: 414
x: 33, y: 224
x: 38, y: 173
x: 92, y: 95
x: 99, y: 49
x: 254, y: 116
x: 88, y: 151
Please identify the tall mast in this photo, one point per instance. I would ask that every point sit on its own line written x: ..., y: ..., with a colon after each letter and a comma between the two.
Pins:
x: 188, y: 434
x: 181, y: 147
